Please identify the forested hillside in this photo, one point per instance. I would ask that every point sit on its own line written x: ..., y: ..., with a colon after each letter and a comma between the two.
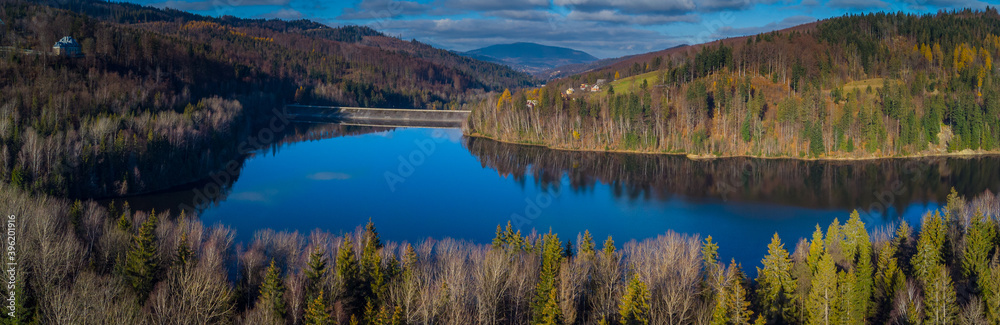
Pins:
x: 859, y: 86
x: 161, y: 97
x: 83, y: 263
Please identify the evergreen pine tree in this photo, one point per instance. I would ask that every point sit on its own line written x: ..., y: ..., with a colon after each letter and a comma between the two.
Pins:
x: 349, y: 273
x: 499, y: 240
x: 815, y: 249
x: 776, y: 286
x: 979, y: 241
x: 989, y: 284
x: 609, y: 247
x: 587, y: 246
x: 548, y: 276
x: 834, y: 240
x: 315, y: 273
x: 739, y: 305
x: 847, y: 309
x: 125, y: 220
x: 568, y: 250
x: 731, y: 306
x: 939, y: 297
x: 316, y: 312
x: 889, y: 279
x: 710, y: 256
x: 551, y: 314
x: 929, y: 245
x: 859, y: 251
x: 634, y: 306
x: 272, y: 292
x: 141, y: 263
x: 823, y: 295
x: 372, y: 274
x: 184, y: 252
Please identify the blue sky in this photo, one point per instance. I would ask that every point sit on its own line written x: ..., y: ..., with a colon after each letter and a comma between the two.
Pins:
x: 603, y: 28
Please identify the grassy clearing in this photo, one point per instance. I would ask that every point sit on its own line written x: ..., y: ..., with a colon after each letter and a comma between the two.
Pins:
x: 631, y: 84
x: 863, y: 85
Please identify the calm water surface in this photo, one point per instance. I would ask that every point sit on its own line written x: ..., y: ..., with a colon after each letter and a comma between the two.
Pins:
x: 433, y: 183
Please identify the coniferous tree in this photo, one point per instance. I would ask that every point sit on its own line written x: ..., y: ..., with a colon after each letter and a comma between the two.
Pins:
x: 929, y: 246
x: 731, y: 305
x: 349, y: 274
x: 125, y: 220
x: 989, y: 284
x: 272, y: 291
x: 609, y: 247
x: 547, y: 288
x: 979, y: 241
x: 184, y: 252
x: 372, y: 274
x: 889, y: 278
x: 939, y: 297
x: 568, y: 250
x: 834, y: 239
x: 551, y: 314
x: 776, y: 290
x: 316, y: 312
x: 823, y: 295
x: 815, y: 249
x: 587, y: 246
x: 847, y: 309
x: 141, y: 263
x: 634, y: 306
x: 315, y: 273
x: 858, y: 249
x: 710, y: 256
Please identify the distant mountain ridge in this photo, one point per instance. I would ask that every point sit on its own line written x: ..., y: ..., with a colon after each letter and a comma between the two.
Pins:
x: 530, y: 57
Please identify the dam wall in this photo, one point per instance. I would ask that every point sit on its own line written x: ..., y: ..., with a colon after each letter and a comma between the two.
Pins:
x: 378, y: 116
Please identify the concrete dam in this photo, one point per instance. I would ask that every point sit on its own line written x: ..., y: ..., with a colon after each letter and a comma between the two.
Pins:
x: 386, y: 117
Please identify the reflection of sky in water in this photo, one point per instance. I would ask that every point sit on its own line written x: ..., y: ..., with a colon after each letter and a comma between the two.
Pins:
x: 338, y: 184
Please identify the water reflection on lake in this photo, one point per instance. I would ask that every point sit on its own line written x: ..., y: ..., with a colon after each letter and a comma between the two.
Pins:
x: 420, y: 183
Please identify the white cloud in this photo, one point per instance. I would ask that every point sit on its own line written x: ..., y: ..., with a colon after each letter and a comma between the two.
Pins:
x: 858, y: 4
x: 617, y: 17
x: 284, y: 13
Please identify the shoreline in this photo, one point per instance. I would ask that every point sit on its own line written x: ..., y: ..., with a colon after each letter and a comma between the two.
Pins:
x: 959, y: 154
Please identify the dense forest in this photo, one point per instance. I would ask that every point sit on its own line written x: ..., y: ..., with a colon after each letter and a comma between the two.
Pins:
x: 82, y: 263
x: 162, y: 97
x: 857, y: 86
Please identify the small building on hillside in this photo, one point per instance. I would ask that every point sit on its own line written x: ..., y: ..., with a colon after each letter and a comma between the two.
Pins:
x: 531, y: 103
x: 601, y: 82
x: 569, y: 91
x: 67, y: 46
x: 595, y: 88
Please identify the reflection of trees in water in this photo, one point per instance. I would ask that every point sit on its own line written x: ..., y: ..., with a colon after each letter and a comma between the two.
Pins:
x: 301, y: 131
x: 822, y: 184
x: 215, y: 188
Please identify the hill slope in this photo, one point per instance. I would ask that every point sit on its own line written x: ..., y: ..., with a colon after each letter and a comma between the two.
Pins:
x: 162, y: 97
x: 861, y: 86
x: 531, y: 57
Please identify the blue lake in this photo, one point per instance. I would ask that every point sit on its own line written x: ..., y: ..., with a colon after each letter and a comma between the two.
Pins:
x: 432, y: 183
